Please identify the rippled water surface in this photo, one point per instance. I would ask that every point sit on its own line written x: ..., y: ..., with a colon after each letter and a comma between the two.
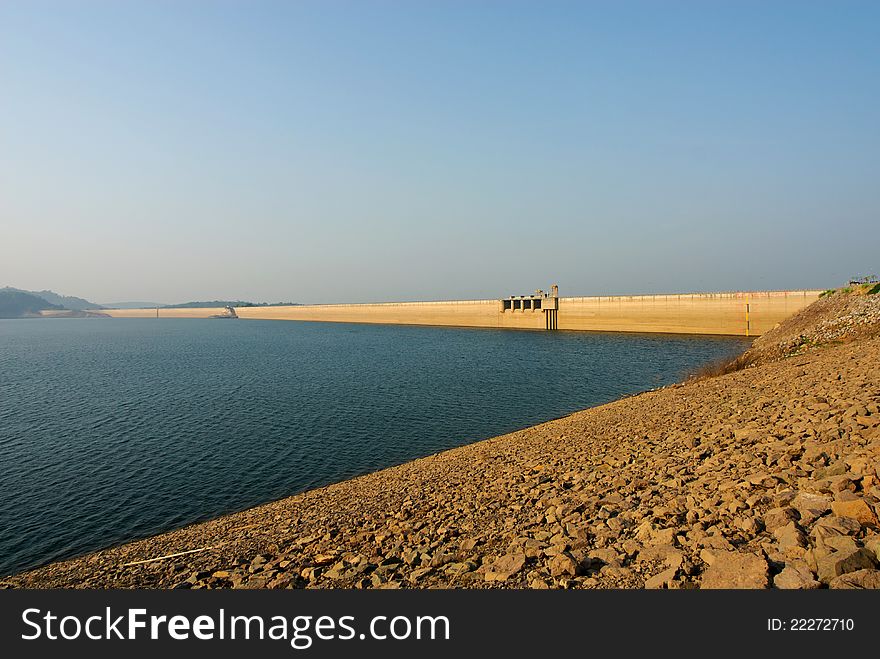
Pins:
x: 114, y: 429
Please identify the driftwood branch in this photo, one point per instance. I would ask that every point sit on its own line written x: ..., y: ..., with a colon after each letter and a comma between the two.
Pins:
x: 162, y: 558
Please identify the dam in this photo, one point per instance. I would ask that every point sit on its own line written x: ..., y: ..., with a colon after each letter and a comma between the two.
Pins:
x: 741, y: 313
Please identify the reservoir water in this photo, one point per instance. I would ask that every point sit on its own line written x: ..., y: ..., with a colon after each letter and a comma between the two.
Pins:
x: 112, y: 429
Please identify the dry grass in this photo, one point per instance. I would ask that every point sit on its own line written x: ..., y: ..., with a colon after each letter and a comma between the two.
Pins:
x: 722, y: 367
x: 837, y: 316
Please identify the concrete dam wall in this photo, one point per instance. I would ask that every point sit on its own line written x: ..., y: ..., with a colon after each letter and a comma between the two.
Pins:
x: 742, y: 313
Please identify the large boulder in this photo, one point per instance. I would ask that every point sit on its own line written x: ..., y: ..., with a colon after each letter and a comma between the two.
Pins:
x: 842, y: 562
x: 857, y: 509
x: 505, y: 567
x: 730, y: 569
x: 860, y: 579
x: 796, y: 576
x: 777, y: 517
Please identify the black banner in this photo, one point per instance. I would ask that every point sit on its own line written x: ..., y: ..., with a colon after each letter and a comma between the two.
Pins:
x: 432, y: 623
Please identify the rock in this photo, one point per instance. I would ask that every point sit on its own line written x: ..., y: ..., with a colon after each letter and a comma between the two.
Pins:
x: 813, y: 555
x: 829, y: 526
x: 790, y: 536
x: 708, y: 556
x: 631, y: 547
x: 777, y: 517
x: 749, y: 525
x: 855, y: 410
x: 762, y: 479
x: 505, y: 567
x: 717, y: 543
x: 735, y: 570
x: 867, y: 579
x: 840, y: 484
x: 811, y: 505
x: 310, y: 573
x: 614, y: 572
x: 607, y: 555
x: 843, y: 543
x: 645, y: 531
x: 872, y: 544
x: 671, y: 556
x: 563, y: 564
x: 417, y: 574
x: 796, y: 576
x: 839, y: 468
x: 336, y: 572
x: 281, y: 581
x: 663, y: 536
x: 458, y: 569
x: 662, y: 580
x: 856, y: 509
x: 840, y: 562
x: 255, y: 582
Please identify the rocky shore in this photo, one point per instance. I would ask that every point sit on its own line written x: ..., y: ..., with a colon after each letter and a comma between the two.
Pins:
x: 768, y: 476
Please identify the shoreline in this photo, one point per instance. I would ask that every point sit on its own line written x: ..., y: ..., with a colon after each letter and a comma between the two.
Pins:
x: 312, y: 539
x: 477, y: 328
x: 371, y: 447
x: 767, y: 476
x: 216, y: 517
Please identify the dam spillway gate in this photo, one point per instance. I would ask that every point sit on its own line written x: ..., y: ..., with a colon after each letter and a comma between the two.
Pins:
x: 546, y: 303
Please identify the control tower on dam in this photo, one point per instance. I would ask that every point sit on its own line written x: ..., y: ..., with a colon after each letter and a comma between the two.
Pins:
x: 546, y: 303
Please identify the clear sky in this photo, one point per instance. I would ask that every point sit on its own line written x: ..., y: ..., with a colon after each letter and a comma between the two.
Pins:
x: 359, y: 151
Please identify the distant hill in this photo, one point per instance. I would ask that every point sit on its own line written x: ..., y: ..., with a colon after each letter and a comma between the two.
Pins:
x: 63, y: 301
x: 19, y: 304
x: 131, y: 305
x: 53, y: 300
x: 228, y: 303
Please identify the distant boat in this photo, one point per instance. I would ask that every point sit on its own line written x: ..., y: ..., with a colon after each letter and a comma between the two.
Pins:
x: 229, y: 312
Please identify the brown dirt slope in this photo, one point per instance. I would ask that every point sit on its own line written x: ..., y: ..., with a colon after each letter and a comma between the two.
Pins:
x: 763, y: 477
x: 840, y: 316
x: 837, y: 317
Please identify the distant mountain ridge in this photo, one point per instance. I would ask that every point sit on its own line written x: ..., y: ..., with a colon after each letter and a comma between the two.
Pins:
x: 17, y: 303
x: 132, y: 305
x: 227, y: 303
x: 60, y: 301
x: 21, y: 304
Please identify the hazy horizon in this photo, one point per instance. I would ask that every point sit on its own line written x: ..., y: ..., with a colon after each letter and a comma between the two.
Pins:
x: 135, y: 304
x: 371, y: 151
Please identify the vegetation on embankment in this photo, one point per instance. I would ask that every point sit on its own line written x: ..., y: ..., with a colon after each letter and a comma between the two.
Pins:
x: 839, y: 315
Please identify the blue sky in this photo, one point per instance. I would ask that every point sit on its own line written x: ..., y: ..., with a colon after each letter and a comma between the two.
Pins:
x: 357, y: 151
